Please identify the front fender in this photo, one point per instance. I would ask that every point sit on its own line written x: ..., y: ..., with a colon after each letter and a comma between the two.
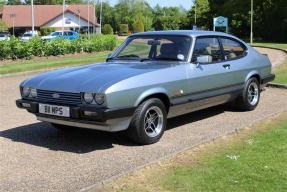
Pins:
x: 149, y: 92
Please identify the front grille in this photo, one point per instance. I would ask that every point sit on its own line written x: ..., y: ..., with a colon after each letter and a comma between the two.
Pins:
x: 64, y: 97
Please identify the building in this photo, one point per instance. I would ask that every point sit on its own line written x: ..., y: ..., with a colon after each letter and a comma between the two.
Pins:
x: 18, y: 18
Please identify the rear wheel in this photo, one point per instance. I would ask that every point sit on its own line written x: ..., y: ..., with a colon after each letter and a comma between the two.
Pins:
x: 250, y: 97
x: 149, y: 122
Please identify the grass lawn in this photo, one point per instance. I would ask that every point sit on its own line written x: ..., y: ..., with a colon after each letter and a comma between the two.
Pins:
x: 31, y: 65
x: 272, y: 45
x: 255, y: 159
x: 281, y: 74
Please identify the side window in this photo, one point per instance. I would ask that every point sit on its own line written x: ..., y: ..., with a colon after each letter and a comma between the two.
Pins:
x: 207, y: 46
x: 232, y: 48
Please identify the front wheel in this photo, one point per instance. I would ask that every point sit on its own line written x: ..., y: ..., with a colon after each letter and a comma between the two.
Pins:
x: 250, y: 97
x: 149, y: 122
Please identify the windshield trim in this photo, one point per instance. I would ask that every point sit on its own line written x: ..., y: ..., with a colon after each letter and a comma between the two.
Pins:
x: 130, y: 38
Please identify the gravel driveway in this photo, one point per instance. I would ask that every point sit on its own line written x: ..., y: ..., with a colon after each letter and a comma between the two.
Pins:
x: 36, y: 157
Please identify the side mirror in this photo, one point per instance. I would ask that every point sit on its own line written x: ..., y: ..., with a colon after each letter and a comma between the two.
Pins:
x: 204, y: 59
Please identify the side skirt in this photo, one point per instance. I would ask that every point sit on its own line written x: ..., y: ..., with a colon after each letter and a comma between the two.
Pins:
x: 202, y: 103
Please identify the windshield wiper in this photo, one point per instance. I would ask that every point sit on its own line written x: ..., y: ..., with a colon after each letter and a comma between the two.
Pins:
x: 128, y: 56
x: 168, y: 59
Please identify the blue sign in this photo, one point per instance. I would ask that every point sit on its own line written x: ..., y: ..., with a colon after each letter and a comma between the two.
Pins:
x: 220, y: 22
x: 68, y: 21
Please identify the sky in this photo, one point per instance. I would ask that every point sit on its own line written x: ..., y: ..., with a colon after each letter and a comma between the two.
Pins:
x: 184, y: 3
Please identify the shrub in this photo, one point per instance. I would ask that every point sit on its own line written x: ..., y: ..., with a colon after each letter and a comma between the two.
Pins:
x: 138, y: 26
x: 108, y: 30
x: 46, y: 30
x: 5, y: 50
x: 123, y: 29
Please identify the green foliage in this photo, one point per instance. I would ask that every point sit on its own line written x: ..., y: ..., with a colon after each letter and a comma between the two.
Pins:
x: 108, y: 30
x: 108, y: 14
x: 168, y: 18
x: 203, y: 14
x: 270, y: 23
x: 138, y: 26
x: 129, y: 11
x: 123, y: 29
x: 16, y: 49
x: 46, y: 30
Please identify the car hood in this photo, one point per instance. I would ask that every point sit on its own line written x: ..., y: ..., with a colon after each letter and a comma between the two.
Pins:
x: 90, y: 78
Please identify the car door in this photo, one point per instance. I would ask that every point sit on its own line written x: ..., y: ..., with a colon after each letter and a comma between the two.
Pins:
x: 211, y: 76
x: 234, y: 53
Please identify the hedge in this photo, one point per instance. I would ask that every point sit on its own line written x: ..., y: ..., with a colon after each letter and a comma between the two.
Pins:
x: 16, y: 49
x: 108, y: 30
x: 123, y: 29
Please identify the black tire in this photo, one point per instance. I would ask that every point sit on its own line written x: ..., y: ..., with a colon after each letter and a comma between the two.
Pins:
x: 62, y: 127
x: 245, y: 104
x: 137, y: 131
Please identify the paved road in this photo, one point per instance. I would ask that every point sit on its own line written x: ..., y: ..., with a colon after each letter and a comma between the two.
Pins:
x: 276, y: 57
x: 36, y: 157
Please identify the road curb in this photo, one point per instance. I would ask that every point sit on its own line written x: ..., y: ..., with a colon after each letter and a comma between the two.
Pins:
x: 277, y: 85
x: 283, y: 50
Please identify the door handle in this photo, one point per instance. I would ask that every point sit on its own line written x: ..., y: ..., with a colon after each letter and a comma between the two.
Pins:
x: 227, y: 66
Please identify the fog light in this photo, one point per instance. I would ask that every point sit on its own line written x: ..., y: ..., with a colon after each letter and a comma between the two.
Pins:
x: 90, y: 113
x: 26, y: 105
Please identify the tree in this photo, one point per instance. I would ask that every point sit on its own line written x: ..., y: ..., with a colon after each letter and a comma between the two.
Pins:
x: 123, y: 29
x: 107, y: 29
x: 129, y: 11
x: 108, y: 16
x: 203, y: 14
x: 168, y: 18
x: 138, y: 26
x: 3, y: 26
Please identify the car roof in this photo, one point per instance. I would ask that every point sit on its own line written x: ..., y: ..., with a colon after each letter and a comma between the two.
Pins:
x: 193, y: 33
x: 65, y: 31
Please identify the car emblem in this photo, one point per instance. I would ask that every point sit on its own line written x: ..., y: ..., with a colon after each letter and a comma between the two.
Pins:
x: 56, y: 96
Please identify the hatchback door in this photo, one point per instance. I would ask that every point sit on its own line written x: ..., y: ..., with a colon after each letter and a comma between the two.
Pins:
x: 209, y: 75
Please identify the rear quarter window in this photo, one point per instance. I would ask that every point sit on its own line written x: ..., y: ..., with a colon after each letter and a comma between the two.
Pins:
x: 232, y: 49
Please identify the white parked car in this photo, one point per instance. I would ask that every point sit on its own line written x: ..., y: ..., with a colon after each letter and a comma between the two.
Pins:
x: 28, y: 35
x: 4, y: 36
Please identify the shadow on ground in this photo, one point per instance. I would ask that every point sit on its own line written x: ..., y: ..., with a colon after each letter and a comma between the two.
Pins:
x: 85, y: 141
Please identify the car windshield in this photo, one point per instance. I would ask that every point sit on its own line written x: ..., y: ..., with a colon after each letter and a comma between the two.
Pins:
x: 56, y: 34
x: 2, y: 35
x: 27, y: 35
x: 157, y: 47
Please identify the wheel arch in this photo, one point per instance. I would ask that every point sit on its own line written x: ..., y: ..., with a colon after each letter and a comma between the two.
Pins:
x: 159, y: 93
x: 255, y: 74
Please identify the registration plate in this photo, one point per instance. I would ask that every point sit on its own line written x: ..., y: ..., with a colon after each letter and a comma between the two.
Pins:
x: 54, y: 110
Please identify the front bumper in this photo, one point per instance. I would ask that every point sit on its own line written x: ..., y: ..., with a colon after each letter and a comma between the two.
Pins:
x: 102, y: 118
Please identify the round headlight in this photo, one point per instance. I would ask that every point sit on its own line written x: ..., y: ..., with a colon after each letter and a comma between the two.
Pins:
x: 88, y: 97
x: 26, y: 91
x: 100, y: 98
x: 33, y: 92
